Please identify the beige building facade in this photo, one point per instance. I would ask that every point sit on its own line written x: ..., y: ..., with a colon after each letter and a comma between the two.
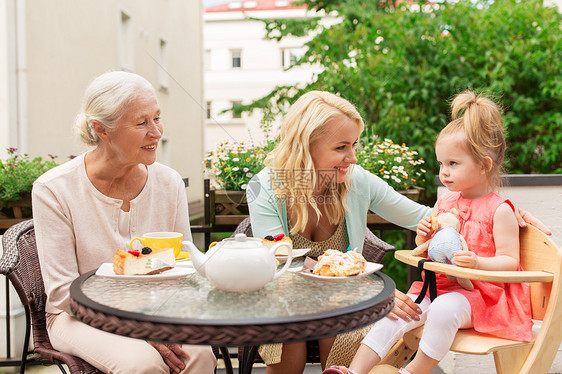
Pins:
x: 51, y: 50
x: 242, y: 66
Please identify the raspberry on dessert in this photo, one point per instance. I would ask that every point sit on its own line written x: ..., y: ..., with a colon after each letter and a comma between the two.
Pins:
x: 135, y: 252
x: 146, y: 250
x: 269, y: 237
x: 278, y: 237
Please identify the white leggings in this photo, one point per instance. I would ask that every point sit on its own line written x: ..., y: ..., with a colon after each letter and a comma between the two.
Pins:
x: 114, y: 354
x: 442, y: 318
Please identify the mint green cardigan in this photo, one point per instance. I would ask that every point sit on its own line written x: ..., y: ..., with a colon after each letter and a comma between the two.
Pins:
x: 268, y: 214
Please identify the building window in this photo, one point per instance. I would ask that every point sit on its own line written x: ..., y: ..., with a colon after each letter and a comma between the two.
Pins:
x: 126, y: 41
x: 236, y: 115
x: 250, y: 4
x: 290, y: 56
x: 209, y: 109
x: 236, y: 58
x: 163, y: 62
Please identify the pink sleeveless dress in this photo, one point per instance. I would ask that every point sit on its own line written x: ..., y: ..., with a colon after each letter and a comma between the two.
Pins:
x: 499, y: 309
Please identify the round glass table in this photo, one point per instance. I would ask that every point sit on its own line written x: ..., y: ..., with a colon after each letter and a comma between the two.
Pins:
x: 190, y: 310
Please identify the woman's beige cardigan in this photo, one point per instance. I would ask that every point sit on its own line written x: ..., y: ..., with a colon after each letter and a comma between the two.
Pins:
x: 77, y: 226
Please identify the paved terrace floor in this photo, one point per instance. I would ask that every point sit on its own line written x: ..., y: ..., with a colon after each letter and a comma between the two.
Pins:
x: 310, y: 369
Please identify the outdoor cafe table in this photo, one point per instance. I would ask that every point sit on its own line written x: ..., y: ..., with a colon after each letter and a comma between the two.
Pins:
x: 190, y: 310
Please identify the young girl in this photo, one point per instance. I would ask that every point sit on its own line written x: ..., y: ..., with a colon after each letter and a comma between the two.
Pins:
x: 470, y: 151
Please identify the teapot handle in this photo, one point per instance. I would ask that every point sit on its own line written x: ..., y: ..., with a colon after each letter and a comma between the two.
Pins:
x: 289, y: 258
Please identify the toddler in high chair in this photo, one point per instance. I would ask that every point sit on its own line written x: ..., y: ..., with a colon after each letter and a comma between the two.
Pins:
x: 470, y: 151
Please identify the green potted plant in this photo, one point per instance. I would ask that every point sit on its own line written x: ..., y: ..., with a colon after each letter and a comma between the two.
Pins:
x: 17, y: 174
x: 232, y: 165
x: 399, y: 166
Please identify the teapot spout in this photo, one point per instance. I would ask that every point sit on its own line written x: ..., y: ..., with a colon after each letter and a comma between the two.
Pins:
x: 196, y: 256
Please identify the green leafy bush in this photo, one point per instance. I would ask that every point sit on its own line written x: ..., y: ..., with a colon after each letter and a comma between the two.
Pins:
x: 18, y: 172
x: 401, y: 66
x: 234, y: 164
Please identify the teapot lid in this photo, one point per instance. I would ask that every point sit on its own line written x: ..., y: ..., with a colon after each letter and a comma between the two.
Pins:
x: 241, y: 241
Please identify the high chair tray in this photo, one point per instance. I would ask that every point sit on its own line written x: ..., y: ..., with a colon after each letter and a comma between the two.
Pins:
x: 474, y: 274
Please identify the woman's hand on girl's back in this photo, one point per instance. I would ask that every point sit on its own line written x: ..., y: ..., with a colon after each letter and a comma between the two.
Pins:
x: 524, y: 217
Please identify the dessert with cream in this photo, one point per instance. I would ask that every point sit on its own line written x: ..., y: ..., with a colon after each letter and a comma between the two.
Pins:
x: 334, y: 263
x: 136, y: 262
x: 269, y: 241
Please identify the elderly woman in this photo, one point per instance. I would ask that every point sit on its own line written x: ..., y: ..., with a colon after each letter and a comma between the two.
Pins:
x: 87, y: 208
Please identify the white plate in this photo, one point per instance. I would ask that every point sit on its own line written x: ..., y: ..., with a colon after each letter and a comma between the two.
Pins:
x: 295, y: 252
x: 370, y: 268
x: 106, y: 270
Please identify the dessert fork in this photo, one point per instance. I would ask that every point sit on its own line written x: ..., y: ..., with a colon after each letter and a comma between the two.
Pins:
x: 156, y: 263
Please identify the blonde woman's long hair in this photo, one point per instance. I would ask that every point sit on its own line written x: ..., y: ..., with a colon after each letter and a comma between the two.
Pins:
x: 305, y: 123
x: 479, y: 118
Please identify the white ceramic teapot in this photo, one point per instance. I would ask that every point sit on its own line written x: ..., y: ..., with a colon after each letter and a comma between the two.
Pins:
x: 238, y: 264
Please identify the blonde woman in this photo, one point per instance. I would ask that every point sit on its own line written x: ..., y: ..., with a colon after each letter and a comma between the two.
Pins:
x: 312, y: 191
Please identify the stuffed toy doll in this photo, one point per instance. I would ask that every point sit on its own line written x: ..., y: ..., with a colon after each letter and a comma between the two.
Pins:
x: 445, y: 243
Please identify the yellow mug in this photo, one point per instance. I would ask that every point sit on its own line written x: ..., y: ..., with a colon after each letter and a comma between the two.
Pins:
x: 161, y: 240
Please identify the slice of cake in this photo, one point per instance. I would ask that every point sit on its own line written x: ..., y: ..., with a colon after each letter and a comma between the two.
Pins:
x: 269, y: 241
x: 334, y: 263
x: 136, y: 262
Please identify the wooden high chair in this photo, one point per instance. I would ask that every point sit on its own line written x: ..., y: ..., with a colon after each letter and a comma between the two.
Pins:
x: 542, y: 261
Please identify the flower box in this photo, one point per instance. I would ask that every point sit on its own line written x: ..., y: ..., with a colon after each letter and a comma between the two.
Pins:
x: 231, y: 207
x: 228, y: 207
x: 13, y: 212
x: 414, y: 193
x: 17, y: 174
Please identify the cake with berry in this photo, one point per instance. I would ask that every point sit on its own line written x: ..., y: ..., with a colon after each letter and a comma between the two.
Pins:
x: 334, y: 263
x: 269, y: 241
x: 136, y: 262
